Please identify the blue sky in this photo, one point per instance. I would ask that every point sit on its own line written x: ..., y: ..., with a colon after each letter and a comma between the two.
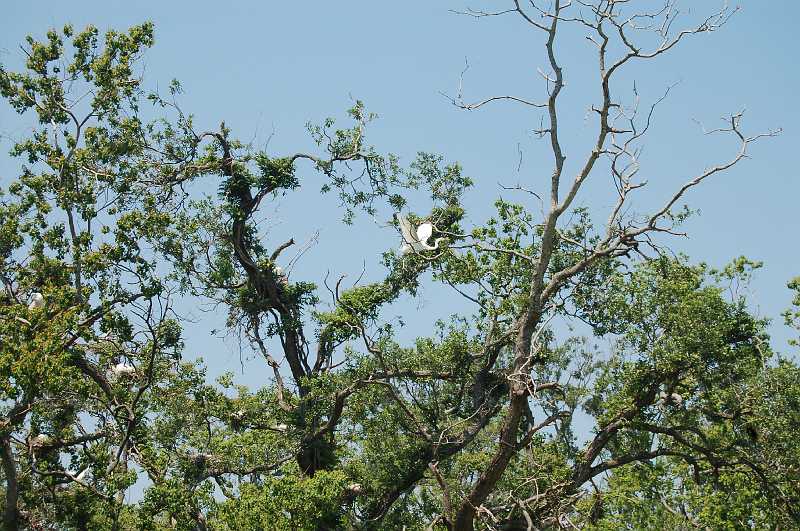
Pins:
x: 267, y: 68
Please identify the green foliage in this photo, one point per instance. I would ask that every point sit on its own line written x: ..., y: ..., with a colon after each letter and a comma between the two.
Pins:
x: 668, y: 410
x: 287, y: 503
x: 792, y: 316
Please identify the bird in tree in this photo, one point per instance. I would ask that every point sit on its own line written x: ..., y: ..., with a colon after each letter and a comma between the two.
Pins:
x: 416, y: 240
x: 283, y: 278
x: 39, y: 440
x: 82, y: 474
x: 37, y: 301
x: 123, y: 370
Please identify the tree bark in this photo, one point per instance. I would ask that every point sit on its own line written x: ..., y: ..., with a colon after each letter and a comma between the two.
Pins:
x: 508, y: 446
x: 10, y: 511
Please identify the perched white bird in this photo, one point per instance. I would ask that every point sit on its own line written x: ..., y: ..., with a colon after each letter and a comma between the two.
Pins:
x: 37, y: 301
x: 123, y: 369
x: 82, y: 474
x: 105, y: 343
x: 108, y: 337
x: 662, y: 398
x: 416, y: 240
x: 282, y: 277
x: 669, y: 398
x: 281, y: 428
x: 201, y: 459
x: 40, y: 440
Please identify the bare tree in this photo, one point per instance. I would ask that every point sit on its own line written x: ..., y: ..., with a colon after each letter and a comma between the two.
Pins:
x: 610, y: 25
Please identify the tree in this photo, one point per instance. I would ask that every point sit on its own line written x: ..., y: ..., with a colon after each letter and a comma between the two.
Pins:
x: 474, y: 426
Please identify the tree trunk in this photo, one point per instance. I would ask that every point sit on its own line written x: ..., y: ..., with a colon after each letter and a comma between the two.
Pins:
x: 507, y: 447
x: 10, y: 511
x: 489, y: 478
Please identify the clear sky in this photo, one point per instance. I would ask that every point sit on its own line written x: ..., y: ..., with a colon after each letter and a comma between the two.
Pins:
x: 268, y: 67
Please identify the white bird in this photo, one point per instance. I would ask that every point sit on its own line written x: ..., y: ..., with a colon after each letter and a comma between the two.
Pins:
x: 109, y: 337
x: 82, y: 474
x: 416, y: 240
x: 669, y: 398
x: 40, y: 440
x: 37, y: 301
x: 281, y: 428
x: 282, y: 278
x: 662, y: 398
x: 202, y: 459
x: 123, y: 369
x: 105, y: 343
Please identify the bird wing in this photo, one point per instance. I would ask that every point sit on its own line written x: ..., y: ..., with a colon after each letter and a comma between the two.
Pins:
x: 424, y: 232
x: 405, y: 228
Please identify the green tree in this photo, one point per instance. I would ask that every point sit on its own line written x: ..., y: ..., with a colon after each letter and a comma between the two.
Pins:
x: 692, y: 416
x: 86, y: 330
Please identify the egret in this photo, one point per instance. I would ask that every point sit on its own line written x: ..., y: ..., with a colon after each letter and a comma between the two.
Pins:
x: 416, y: 240
x: 82, y: 474
x: 123, y: 369
x: 662, y: 397
x: 669, y: 398
x: 201, y: 459
x: 281, y: 277
x: 237, y: 418
x: 109, y: 337
x: 37, y: 301
x: 40, y: 440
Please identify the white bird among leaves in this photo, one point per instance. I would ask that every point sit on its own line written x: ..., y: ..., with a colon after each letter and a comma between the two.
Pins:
x: 123, y: 369
x: 37, y: 301
x: 416, y: 240
x: 39, y: 440
x: 82, y: 474
x: 669, y: 398
x: 282, y: 277
x: 355, y: 488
